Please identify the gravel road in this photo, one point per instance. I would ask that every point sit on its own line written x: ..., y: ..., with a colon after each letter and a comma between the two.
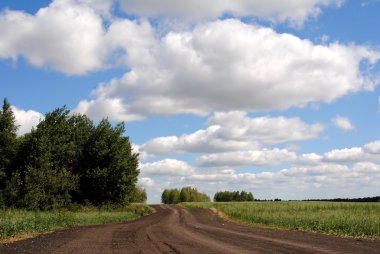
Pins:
x: 174, y: 229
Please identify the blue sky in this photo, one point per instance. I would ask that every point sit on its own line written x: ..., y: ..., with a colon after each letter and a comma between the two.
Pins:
x: 281, y: 99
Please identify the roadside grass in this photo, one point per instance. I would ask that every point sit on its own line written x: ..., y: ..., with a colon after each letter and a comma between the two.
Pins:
x: 344, y: 219
x: 22, y: 224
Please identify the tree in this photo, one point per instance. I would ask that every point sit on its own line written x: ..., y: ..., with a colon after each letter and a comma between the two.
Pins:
x: 8, y: 146
x: 138, y: 195
x: 109, y: 172
x: 174, y: 196
x: 165, y: 196
x: 186, y: 194
x: 66, y: 159
x: 228, y: 196
x: 47, y: 154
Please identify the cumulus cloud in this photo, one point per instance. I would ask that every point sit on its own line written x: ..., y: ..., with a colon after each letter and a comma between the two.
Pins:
x: 373, y: 147
x: 70, y: 36
x: 65, y: 36
x: 26, y: 119
x: 263, y: 157
x: 347, y: 155
x: 227, y: 65
x: 297, y: 182
x: 343, y: 123
x: 234, y: 131
x: 166, y: 167
x: 146, y: 182
x: 336, y: 171
x: 294, y: 12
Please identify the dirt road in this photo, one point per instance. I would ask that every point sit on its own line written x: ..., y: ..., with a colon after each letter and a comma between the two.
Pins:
x: 173, y: 229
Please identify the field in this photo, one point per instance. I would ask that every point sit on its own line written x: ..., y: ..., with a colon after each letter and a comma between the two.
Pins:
x: 345, y: 219
x: 19, y: 223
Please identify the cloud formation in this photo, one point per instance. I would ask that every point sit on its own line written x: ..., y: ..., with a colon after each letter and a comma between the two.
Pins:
x: 65, y: 36
x: 336, y: 172
x: 343, y: 123
x: 293, y: 12
x: 234, y: 131
x: 227, y: 65
x: 26, y: 120
x: 166, y: 167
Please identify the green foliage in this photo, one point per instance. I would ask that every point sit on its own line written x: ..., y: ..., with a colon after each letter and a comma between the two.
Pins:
x: 229, y: 196
x: 351, y: 219
x: 66, y: 159
x: 109, y: 173
x: 186, y: 194
x: 138, y: 195
x: 8, y: 146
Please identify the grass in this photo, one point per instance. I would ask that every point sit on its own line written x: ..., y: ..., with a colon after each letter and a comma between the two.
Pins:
x: 344, y: 219
x: 21, y: 224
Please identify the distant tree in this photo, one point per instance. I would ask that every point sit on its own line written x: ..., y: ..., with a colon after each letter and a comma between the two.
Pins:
x: 186, y: 194
x: 228, y: 196
x: 165, y: 196
x: 138, y: 195
x: 8, y: 146
x: 174, y: 196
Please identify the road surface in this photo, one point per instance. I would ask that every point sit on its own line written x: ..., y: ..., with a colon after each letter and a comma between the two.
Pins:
x: 174, y: 229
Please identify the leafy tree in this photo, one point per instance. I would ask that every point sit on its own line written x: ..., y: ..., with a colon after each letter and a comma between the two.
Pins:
x: 47, y: 170
x: 228, y: 196
x: 138, y: 195
x: 8, y: 145
x: 165, y: 196
x: 187, y: 194
x: 109, y: 174
x: 66, y: 159
x: 174, y: 196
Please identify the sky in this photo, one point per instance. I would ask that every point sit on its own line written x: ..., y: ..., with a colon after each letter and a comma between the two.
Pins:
x: 279, y: 98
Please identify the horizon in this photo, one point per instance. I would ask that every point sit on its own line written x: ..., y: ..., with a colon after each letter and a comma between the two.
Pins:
x: 278, y: 99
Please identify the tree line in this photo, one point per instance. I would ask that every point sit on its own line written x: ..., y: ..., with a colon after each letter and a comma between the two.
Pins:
x: 65, y: 160
x: 186, y: 194
x: 230, y: 196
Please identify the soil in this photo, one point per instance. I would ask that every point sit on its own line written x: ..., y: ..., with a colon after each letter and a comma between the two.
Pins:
x: 174, y: 229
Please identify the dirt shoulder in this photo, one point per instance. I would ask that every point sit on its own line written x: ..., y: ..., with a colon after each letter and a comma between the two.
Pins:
x: 174, y: 229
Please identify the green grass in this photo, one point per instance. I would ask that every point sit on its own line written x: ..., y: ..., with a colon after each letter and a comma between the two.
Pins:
x: 347, y: 219
x: 15, y: 223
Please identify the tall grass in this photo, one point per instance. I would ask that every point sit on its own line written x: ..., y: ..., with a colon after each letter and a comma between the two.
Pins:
x: 14, y: 223
x: 349, y: 219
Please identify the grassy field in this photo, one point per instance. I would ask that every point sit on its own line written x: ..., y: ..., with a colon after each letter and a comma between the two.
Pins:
x: 347, y: 219
x: 18, y: 223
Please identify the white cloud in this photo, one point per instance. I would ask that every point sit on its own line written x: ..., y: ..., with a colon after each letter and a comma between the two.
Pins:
x: 244, y: 158
x: 166, y: 167
x: 373, y: 147
x: 66, y: 36
x: 146, y: 182
x: 26, y: 120
x: 234, y: 131
x: 266, y: 130
x: 297, y: 182
x: 113, y: 108
x: 294, y: 12
x: 228, y: 65
x: 309, y: 159
x: 339, y: 173
x: 343, y: 123
x: 355, y: 154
